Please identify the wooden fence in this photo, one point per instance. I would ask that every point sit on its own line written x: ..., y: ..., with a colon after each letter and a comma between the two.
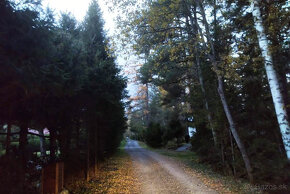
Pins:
x: 52, y: 178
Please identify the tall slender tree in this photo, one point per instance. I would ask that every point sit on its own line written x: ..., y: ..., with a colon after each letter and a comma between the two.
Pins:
x: 279, y: 104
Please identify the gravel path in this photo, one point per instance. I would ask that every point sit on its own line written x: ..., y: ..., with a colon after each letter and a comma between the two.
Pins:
x: 159, y: 174
x: 183, y: 148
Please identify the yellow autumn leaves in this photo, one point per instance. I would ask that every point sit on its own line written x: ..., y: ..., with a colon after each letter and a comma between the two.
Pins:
x: 116, y: 175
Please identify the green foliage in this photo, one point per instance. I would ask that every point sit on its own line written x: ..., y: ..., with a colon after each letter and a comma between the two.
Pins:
x: 61, y: 77
x: 202, y: 144
x: 153, y: 135
x: 174, y: 131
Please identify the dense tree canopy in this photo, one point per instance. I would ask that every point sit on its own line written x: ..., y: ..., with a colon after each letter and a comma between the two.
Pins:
x: 57, y: 75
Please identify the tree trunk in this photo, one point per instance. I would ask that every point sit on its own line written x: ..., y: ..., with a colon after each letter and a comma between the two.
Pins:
x: 23, y: 153
x: 233, y: 129
x: 96, y: 153
x: 88, y: 156
x: 147, y: 103
x: 222, y: 152
x: 42, y: 143
x: 223, y: 98
x: 78, y: 128
x: 23, y: 140
x: 205, y: 101
x: 8, y: 140
x: 147, y: 93
x: 233, y: 153
x: 200, y: 77
x: 52, y: 145
x: 64, y: 142
x: 277, y: 97
x: 67, y: 146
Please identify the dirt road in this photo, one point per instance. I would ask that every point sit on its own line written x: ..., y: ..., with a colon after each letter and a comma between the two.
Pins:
x: 159, y: 174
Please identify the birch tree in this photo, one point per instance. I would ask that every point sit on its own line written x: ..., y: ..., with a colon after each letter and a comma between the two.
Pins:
x: 277, y: 97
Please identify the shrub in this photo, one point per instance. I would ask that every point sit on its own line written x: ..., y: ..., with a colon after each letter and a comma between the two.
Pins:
x: 174, y: 130
x: 153, y: 135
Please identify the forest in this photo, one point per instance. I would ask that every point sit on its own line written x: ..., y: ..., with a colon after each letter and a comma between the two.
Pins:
x: 221, y: 68
x: 214, y: 74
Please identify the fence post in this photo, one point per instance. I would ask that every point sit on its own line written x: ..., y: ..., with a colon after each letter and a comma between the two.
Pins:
x: 52, y: 179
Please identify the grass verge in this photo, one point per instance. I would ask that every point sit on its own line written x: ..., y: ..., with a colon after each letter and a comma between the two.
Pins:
x: 122, y: 144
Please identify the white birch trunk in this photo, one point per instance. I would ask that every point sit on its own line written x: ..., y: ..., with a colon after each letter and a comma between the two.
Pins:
x: 272, y: 77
